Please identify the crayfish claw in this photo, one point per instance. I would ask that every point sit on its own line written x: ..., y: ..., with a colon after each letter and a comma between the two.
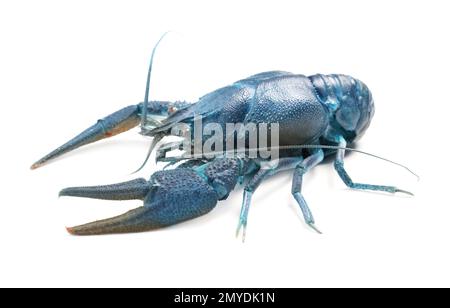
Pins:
x: 130, y: 190
x: 170, y: 197
x: 116, y: 123
x: 136, y: 220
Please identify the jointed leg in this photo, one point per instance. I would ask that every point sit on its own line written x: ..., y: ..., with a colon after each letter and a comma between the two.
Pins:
x: 261, y: 174
x: 300, y: 170
x: 339, y: 166
x: 248, y: 192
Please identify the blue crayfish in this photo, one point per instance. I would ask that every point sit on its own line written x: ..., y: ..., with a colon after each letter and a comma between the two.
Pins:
x: 317, y: 116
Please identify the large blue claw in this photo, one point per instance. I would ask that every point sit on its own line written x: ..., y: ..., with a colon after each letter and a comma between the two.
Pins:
x: 111, y: 125
x: 131, y: 190
x: 135, y: 220
x: 173, y: 196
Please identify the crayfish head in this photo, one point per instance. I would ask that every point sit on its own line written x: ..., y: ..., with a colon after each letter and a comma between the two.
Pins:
x: 356, y: 108
x: 349, y: 102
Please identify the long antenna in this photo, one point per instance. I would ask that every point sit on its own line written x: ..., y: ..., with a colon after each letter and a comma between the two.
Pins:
x: 147, y: 86
x: 145, y: 106
x: 307, y: 146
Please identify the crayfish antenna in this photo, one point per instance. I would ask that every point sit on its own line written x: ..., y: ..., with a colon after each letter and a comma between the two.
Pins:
x: 147, y: 84
x: 156, y: 139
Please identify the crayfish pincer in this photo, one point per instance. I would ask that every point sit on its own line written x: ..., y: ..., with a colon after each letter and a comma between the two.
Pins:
x: 315, y: 116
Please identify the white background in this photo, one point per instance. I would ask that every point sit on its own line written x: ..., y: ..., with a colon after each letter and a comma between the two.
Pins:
x: 65, y: 64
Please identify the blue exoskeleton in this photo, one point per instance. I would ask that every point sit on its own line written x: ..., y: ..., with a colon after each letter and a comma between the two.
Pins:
x: 318, y: 115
